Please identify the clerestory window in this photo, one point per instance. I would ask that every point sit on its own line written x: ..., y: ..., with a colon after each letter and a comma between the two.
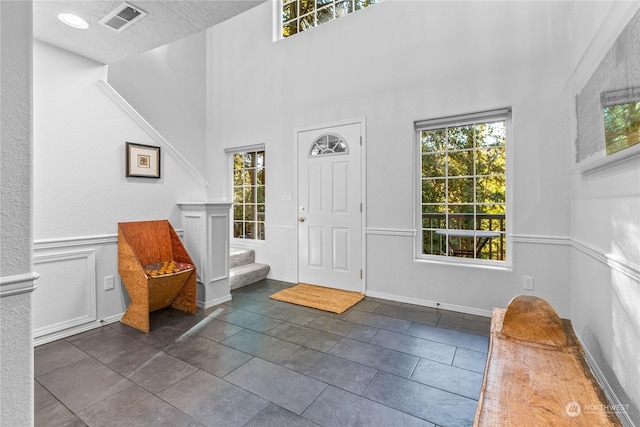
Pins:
x: 301, y: 15
x: 462, y: 186
x: 249, y: 195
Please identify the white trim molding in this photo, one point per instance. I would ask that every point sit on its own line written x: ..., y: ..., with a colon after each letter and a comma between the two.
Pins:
x: 151, y: 131
x: 433, y: 304
x: 18, y: 284
x: 68, y: 242
x: 399, y: 232
x: 539, y: 239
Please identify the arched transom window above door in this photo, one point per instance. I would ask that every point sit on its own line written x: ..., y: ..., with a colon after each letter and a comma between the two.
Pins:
x: 327, y: 145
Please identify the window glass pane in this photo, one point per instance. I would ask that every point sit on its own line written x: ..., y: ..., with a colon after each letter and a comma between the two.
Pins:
x: 491, y: 134
x: 433, y: 191
x: 306, y: 6
x: 237, y: 212
x: 320, y: 3
x: 307, y: 21
x: 260, y: 230
x: 360, y: 4
x: 491, y: 161
x: 249, y: 168
x: 491, y: 189
x: 460, y: 190
x: 289, y: 28
x: 343, y: 8
x: 325, y: 14
x: 260, y: 194
x: 260, y: 176
x: 461, y: 163
x: 459, y: 138
x: 238, y: 195
x: 434, y: 165
x: 289, y: 11
x: 433, y: 140
x: 433, y: 243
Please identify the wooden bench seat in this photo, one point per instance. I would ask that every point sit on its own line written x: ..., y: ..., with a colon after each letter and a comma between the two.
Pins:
x: 536, y: 373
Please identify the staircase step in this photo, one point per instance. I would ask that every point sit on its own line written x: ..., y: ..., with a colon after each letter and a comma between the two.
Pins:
x: 239, y: 257
x: 246, y: 274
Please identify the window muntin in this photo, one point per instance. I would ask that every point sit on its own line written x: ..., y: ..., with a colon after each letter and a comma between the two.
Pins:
x: 327, y: 145
x: 249, y: 195
x: 301, y: 15
x: 463, y: 203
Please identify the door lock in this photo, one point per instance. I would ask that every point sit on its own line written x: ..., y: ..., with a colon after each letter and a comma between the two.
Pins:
x: 301, y: 219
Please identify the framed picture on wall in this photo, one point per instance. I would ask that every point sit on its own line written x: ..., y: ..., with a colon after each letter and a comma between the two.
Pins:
x: 142, y: 161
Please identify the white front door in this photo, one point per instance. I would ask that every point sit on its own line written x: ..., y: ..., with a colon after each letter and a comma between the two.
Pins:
x: 330, y: 209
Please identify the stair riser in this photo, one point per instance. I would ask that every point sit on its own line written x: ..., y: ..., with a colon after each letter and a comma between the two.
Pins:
x: 243, y: 276
x: 237, y: 259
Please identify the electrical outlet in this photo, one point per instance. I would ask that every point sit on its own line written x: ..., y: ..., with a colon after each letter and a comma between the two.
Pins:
x: 527, y: 283
x: 108, y: 283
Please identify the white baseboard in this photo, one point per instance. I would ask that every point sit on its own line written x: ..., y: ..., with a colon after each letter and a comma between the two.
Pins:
x: 65, y: 333
x: 618, y: 407
x: 213, y: 302
x: 434, y: 304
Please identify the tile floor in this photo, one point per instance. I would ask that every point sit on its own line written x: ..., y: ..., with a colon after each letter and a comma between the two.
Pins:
x: 259, y: 362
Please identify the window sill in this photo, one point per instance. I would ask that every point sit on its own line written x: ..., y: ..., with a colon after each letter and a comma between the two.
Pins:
x: 465, y: 262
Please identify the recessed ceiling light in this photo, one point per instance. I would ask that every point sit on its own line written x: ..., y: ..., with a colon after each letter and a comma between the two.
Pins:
x: 73, y: 21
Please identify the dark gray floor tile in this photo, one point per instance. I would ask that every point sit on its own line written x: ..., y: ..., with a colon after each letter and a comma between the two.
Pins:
x: 432, y: 350
x: 212, y: 401
x: 421, y: 308
x: 108, y: 344
x: 289, y: 389
x: 382, y: 301
x: 289, y: 315
x: 268, y: 348
x: 275, y: 416
x: 130, y: 362
x: 219, y: 310
x: 343, y: 328
x: 406, y: 313
x: 135, y: 406
x: 477, y: 318
x: 56, y: 415
x: 308, y: 337
x: 466, y: 325
x: 450, y: 336
x: 210, y: 356
x: 469, y: 359
x: 449, y: 378
x: 378, y: 321
x: 336, y: 407
x: 332, y: 370
x: 54, y: 355
x: 429, y: 403
x: 175, y: 318
x: 160, y: 372
x: 214, y: 329
x: 83, y: 383
x: 246, y: 303
x: 41, y: 397
x: 368, y: 306
x: 377, y: 357
x: 246, y: 319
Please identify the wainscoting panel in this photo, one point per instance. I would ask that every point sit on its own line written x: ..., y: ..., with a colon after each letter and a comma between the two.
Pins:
x: 66, y: 292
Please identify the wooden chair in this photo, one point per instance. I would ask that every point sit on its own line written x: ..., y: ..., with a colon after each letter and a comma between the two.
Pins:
x: 156, y: 271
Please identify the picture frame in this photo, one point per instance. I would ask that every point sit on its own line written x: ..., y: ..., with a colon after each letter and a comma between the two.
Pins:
x: 142, y: 161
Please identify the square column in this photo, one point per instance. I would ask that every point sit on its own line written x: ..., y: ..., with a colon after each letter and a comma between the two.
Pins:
x: 206, y: 237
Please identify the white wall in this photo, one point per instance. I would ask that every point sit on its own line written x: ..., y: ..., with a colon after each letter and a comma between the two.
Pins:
x: 81, y: 192
x: 16, y: 275
x: 167, y: 85
x: 605, y: 229
x: 394, y: 63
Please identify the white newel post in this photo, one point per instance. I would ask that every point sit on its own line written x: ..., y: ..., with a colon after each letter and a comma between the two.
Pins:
x: 206, y: 237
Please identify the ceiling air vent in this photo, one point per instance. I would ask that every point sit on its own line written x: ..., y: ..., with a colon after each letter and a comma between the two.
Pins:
x: 123, y: 17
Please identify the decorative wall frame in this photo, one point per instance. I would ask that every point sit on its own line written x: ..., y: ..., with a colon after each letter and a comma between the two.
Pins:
x: 610, y: 93
x: 142, y: 161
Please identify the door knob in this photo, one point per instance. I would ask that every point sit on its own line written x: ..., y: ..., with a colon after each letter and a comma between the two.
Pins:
x: 301, y: 219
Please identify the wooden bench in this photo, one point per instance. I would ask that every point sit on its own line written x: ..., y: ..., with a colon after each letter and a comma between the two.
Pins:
x: 536, y: 373
x: 156, y: 270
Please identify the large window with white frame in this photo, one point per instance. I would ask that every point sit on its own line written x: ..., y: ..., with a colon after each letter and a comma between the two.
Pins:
x: 462, y: 212
x: 249, y: 202
x: 301, y: 15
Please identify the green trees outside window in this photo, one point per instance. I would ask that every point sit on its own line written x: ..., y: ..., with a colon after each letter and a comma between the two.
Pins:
x: 301, y: 15
x: 463, y: 187
x: 249, y: 195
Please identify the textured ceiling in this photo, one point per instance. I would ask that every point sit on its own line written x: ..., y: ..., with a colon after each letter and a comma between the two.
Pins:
x: 166, y: 21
